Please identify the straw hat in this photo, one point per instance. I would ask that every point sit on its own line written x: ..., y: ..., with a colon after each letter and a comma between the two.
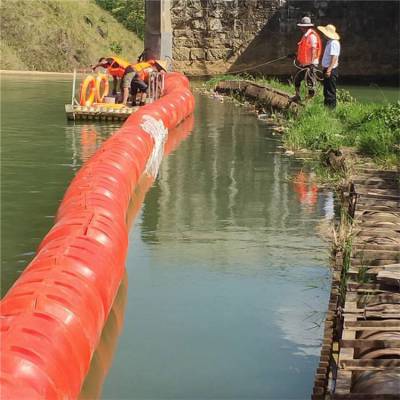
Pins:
x: 329, y: 31
x: 163, y: 64
x: 305, y: 21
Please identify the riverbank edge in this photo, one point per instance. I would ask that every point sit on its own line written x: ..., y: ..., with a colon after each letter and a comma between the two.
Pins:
x: 27, y: 72
x: 273, y: 105
x: 265, y: 96
x: 363, y: 129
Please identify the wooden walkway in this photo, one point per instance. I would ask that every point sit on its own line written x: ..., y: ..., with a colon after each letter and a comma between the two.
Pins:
x: 360, y: 357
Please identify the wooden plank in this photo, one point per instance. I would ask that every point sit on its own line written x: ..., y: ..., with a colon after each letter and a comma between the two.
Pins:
x: 358, y: 287
x: 373, y: 364
x: 376, y: 343
x: 371, y: 263
x: 369, y: 201
x: 343, y: 382
x: 365, y: 396
x: 372, y: 328
x: 375, y: 246
x: 372, y: 324
x: 389, y: 277
x: 380, y: 298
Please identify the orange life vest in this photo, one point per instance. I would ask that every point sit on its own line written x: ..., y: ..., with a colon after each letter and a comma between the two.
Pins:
x: 118, y: 66
x: 144, y: 69
x: 304, y: 49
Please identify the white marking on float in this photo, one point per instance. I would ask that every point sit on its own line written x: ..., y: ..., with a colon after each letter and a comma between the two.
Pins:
x: 156, y: 129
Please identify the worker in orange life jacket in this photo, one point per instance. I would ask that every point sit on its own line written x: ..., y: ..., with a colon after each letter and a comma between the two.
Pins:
x: 121, y: 70
x: 141, y: 80
x: 308, y: 54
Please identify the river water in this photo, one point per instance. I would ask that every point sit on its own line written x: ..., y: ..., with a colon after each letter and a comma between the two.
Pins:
x: 227, y: 279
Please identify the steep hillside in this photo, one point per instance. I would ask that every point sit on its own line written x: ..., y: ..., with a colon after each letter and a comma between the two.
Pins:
x: 58, y: 35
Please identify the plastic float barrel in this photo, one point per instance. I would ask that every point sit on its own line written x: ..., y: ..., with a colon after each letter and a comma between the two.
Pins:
x: 53, y: 315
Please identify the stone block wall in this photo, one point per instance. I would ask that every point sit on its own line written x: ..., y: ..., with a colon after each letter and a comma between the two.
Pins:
x: 209, y: 35
x: 215, y: 36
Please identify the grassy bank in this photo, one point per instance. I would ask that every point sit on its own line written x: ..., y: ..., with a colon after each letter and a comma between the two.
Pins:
x: 373, y: 130
x: 59, y: 35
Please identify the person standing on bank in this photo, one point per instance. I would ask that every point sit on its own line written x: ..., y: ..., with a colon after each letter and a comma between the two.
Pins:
x: 330, y: 63
x: 308, y: 54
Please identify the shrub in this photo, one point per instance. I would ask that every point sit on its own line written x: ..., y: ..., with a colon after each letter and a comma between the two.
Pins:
x: 130, y: 13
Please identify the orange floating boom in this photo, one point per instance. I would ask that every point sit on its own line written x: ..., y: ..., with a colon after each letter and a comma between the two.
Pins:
x: 53, y: 315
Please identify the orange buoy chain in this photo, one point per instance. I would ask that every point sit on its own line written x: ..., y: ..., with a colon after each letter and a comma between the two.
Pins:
x: 53, y: 316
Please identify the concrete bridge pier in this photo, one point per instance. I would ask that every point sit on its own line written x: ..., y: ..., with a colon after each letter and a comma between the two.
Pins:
x: 158, y: 29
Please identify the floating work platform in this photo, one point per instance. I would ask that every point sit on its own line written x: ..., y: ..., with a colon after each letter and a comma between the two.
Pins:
x: 88, y: 109
x: 105, y: 112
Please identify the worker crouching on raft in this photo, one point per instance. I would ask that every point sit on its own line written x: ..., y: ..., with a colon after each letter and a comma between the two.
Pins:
x: 132, y: 77
x: 308, y: 54
x: 141, y: 79
x: 121, y: 70
x: 330, y: 63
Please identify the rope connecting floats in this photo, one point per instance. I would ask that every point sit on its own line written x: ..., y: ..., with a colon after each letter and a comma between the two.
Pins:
x: 248, y: 68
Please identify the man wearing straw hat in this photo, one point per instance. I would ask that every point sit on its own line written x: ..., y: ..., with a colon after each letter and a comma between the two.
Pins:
x: 307, y: 58
x: 330, y: 62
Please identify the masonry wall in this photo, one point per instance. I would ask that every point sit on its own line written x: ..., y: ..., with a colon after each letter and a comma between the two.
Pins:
x: 215, y: 36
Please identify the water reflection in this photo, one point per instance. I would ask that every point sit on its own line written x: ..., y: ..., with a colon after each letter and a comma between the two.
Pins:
x: 225, y: 266
x: 84, y: 139
x: 306, y: 189
x: 103, y: 356
x: 230, y: 186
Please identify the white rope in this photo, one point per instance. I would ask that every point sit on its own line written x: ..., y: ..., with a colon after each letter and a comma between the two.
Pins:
x: 249, y: 68
x: 159, y: 133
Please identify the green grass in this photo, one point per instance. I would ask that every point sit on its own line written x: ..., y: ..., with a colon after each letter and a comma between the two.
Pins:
x: 58, y: 35
x: 277, y: 84
x: 372, y: 129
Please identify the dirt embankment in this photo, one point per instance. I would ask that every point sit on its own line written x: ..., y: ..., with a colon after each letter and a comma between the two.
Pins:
x: 59, y: 35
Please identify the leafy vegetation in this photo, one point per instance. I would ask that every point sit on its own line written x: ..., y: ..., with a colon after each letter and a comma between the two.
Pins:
x: 59, y: 35
x: 129, y: 12
x: 373, y: 129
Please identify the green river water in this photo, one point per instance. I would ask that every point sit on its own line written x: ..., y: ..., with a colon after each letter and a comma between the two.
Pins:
x: 227, y: 280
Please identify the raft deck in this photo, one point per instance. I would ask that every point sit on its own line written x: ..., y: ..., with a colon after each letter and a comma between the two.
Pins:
x: 99, y: 112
